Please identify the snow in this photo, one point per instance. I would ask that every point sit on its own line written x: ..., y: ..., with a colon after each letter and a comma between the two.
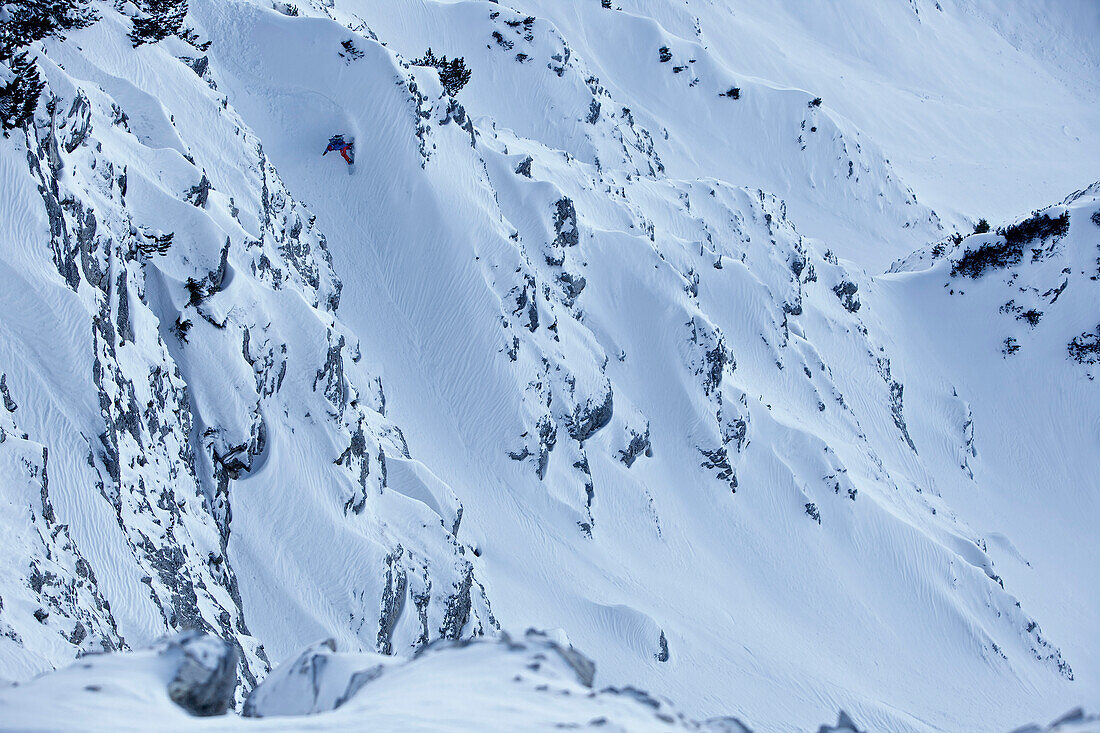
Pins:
x: 526, y: 684
x: 656, y: 392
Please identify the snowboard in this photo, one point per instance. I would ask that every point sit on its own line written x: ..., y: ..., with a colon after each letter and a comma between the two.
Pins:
x: 351, y: 154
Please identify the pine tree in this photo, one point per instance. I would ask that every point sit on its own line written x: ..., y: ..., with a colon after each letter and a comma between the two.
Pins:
x: 22, y: 22
x: 453, y: 74
x: 161, y: 19
x: 19, y: 97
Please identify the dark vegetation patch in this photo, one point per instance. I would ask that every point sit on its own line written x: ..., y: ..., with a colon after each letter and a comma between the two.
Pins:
x: 1009, y: 249
x: 1085, y: 349
x: 1039, y: 226
x: 1032, y: 317
x: 453, y: 74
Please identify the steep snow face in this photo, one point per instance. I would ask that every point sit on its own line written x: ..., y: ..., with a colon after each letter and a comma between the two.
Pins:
x: 628, y: 79
x: 1010, y: 318
x: 984, y: 109
x: 624, y: 395
x: 170, y: 332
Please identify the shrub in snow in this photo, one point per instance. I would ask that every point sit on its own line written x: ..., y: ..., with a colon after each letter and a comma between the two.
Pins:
x: 815, y: 102
x: 181, y: 327
x: 1039, y: 226
x: 1085, y: 349
x: 25, y: 21
x: 1032, y: 317
x: 159, y: 19
x: 732, y: 93
x: 21, y: 24
x: 19, y: 97
x: 664, y: 54
x: 351, y: 52
x: 196, y: 291
x: 1008, y: 250
x: 992, y: 255
x: 453, y: 74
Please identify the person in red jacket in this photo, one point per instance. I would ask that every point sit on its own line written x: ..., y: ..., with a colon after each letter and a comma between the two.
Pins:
x: 347, y: 149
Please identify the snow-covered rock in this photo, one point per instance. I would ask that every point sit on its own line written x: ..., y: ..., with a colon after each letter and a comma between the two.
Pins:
x: 530, y: 683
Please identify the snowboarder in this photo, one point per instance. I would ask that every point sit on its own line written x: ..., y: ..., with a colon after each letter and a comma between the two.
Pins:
x: 346, y: 148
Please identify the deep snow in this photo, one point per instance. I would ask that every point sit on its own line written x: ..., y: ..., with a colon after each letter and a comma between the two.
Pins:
x: 590, y: 348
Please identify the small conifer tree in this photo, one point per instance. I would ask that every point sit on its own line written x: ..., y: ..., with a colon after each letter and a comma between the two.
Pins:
x: 23, y: 22
x: 453, y: 74
x: 159, y: 20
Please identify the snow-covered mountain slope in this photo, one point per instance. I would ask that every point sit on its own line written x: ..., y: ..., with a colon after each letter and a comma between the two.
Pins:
x: 986, y: 111
x: 985, y: 108
x: 555, y: 354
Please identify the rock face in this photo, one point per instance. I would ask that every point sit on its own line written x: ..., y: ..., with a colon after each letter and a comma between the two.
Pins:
x: 51, y: 599
x: 206, y: 673
x: 318, y: 680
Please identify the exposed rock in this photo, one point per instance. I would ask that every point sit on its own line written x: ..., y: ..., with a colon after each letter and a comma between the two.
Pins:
x: 200, y: 192
x: 846, y: 292
x: 639, y: 444
x: 589, y: 418
x: 524, y: 167
x: 458, y: 606
x: 662, y: 655
x: 206, y: 677
x: 718, y: 460
x: 5, y: 395
x: 393, y: 601
x: 844, y: 724
x: 566, y: 233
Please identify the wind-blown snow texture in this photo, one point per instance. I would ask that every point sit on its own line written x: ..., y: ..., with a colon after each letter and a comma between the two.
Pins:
x: 597, y: 345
